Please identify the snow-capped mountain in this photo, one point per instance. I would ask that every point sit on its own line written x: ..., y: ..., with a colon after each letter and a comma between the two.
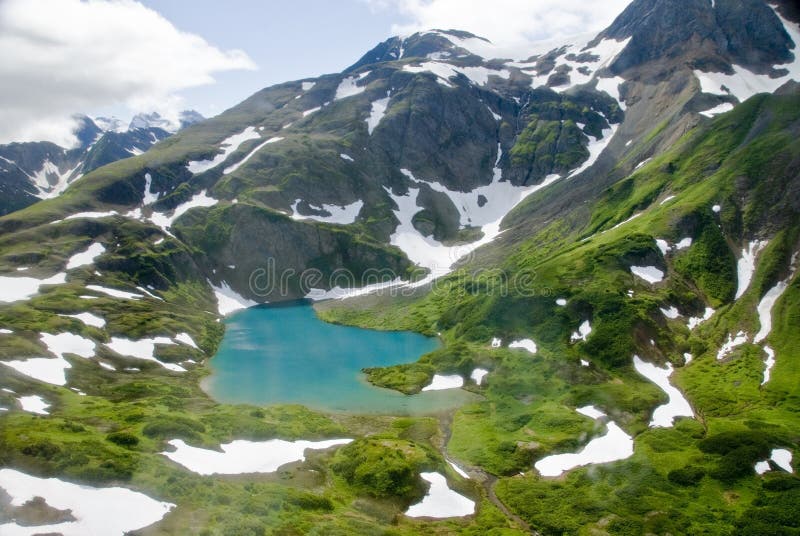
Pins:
x: 42, y: 170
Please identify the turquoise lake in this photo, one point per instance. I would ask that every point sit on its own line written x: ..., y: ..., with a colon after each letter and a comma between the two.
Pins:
x: 286, y: 355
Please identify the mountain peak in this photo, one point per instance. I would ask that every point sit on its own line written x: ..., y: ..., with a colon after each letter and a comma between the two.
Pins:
x: 156, y: 120
x: 707, y: 33
x: 434, y: 44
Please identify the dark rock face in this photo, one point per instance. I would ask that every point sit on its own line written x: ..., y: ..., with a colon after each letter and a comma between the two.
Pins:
x: 441, y: 136
x: 271, y: 252
x: 744, y: 32
x: 113, y: 146
x: 438, y: 216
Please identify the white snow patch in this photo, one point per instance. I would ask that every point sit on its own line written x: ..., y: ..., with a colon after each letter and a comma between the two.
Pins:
x: 583, y: 332
x: 109, y: 511
x: 348, y: 87
x: 747, y: 265
x: 445, y: 71
x: 311, y: 111
x: 186, y: 339
x: 651, y: 274
x: 684, y: 244
x: 44, y: 369
x: 687, y: 358
x: 308, y: 85
x: 339, y: 293
x: 765, y: 310
x: 617, y: 226
x: 478, y: 374
x: 229, y: 301
x: 611, y: 87
x: 228, y: 146
x: 68, y: 343
x: 671, y: 313
x: 244, y: 457
x: 462, y: 473
x: 731, y: 344
x: 441, y: 382
x: 429, y: 253
x: 677, y: 405
x: 342, y: 215
x: 561, y: 302
x: 230, y: 169
x: 606, y: 50
x: 198, y: 200
x: 377, y: 111
x: 21, y: 288
x: 615, y: 445
x: 346, y: 157
x: 663, y: 245
x: 697, y: 320
x: 643, y: 163
x: 719, y: 109
x: 115, y: 293
x: 783, y: 459
x: 5, y: 331
x: 149, y: 197
x: 769, y: 364
x: 89, y: 319
x: 667, y: 199
x: 716, y: 208
x: 496, y: 342
x: 585, y: 363
x: 441, y: 501
x: 90, y: 215
x: 33, y: 404
x: 87, y: 257
x: 591, y: 412
x: 596, y: 148
x: 50, y: 172
x: 143, y: 349
x: 525, y: 344
x: 107, y: 366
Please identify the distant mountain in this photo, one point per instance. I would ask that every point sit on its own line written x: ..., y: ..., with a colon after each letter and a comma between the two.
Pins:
x: 41, y: 170
x: 155, y: 120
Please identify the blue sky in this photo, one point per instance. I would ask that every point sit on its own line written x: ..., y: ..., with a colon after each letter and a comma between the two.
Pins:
x: 287, y: 40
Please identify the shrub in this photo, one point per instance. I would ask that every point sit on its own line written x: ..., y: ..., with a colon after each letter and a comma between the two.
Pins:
x: 123, y: 439
x: 686, y: 476
x: 172, y: 428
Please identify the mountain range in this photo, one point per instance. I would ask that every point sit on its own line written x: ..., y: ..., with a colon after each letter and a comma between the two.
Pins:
x: 576, y: 219
x: 41, y: 170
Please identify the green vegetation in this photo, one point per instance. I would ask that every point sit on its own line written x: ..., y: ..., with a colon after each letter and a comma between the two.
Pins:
x: 694, y: 478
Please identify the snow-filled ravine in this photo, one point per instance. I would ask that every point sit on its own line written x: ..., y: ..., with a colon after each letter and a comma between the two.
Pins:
x: 107, y: 511
x: 615, y: 445
x: 285, y: 354
x: 429, y: 253
x: 677, y: 405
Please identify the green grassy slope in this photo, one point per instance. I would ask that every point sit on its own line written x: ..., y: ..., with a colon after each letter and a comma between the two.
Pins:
x: 695, y: 478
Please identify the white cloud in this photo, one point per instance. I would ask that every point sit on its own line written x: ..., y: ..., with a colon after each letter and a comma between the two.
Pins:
x: 60, y: 57
x: 506, y: 22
